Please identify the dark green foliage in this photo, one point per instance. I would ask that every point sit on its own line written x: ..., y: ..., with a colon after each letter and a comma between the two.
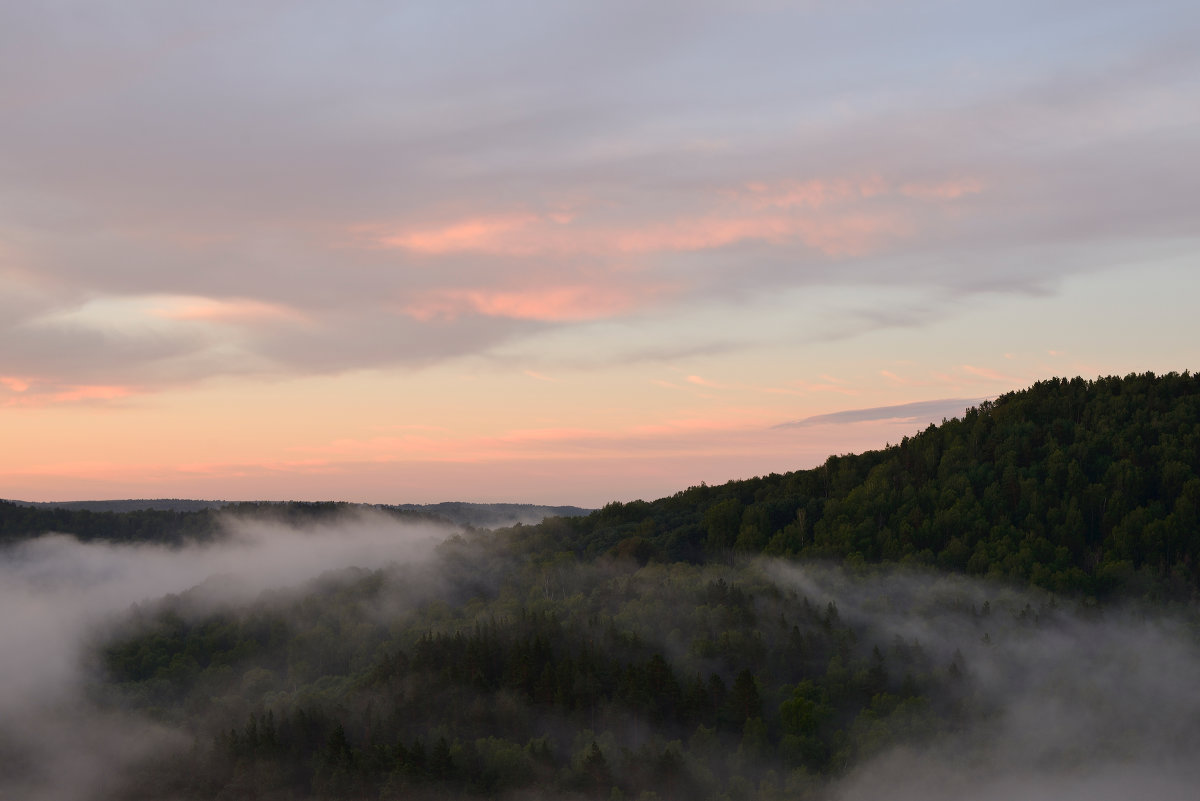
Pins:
x: 486, y: 702
x: 171, y: 526
x: 19, y: 522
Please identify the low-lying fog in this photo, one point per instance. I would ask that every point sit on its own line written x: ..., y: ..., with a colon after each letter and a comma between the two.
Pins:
x: 1090, y: 705
x: 56, y: 592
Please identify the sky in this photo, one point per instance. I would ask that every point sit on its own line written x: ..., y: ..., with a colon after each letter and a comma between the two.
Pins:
x: 569, y: 253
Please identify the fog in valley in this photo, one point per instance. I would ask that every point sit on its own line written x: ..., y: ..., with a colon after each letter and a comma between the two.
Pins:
x: 1076, y: 703
x: 61, y: 596
x: 1087, y: 704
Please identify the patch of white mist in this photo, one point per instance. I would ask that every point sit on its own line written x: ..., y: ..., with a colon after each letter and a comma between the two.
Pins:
x: 58, y: 592
x: 1082, y: 703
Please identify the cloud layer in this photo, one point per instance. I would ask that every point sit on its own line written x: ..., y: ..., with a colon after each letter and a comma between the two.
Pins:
x: 255, y: 189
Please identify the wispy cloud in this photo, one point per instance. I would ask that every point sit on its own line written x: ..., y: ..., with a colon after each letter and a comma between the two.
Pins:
x: 920, y: 410
x: 31, y: 393
x: 223, y: 310
x: 550, y: 304
x: 838, y: 217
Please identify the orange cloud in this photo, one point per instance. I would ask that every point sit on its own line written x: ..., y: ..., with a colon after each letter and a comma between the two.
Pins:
x: 489, y: 234
x: 234, y: 310
x: 844, y: 235
x: 551, y: 304
x: 841, y: 217
x: 76, y: 393
x: 14, y: 383
x: 834, y: 235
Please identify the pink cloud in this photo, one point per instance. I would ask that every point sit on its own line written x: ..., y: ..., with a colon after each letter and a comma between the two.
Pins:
x: 944, y: 190
x: 839, y: 217
x: 14, y: 383
x: 814, y: 194
x: 833, y: 235
x: 31, y: 394
x: 551, y: 304
x: 487, y: 234
x: 233, y: 310
x: 702, y: 233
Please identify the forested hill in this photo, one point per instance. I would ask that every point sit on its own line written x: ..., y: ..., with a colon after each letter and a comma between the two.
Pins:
x: 1085, y: 487
x: 170, y: 526
x: 174, y: 522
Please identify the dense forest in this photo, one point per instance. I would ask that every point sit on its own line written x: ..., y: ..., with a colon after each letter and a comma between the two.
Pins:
x: 674, y: 648
x: 560, y: 680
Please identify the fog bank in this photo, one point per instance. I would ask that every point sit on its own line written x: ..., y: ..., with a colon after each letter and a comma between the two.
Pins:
x: 1077, y: 703
x: 58, y: 593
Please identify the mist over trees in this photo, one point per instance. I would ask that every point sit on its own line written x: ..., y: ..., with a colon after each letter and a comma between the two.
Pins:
x: 174, y: 521
x: 1000, y: 606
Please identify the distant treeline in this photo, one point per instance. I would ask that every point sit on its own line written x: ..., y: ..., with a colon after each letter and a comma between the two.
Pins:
x: 557, y: 682
x: 173, y: 522
x: 173, y: 527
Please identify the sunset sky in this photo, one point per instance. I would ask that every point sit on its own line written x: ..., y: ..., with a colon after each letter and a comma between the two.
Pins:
x: 568, y: 252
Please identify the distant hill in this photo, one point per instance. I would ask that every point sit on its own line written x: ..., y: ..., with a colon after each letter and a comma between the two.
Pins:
x: 132, y: 505
x: 493, y: 515
x: 175, y: 520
